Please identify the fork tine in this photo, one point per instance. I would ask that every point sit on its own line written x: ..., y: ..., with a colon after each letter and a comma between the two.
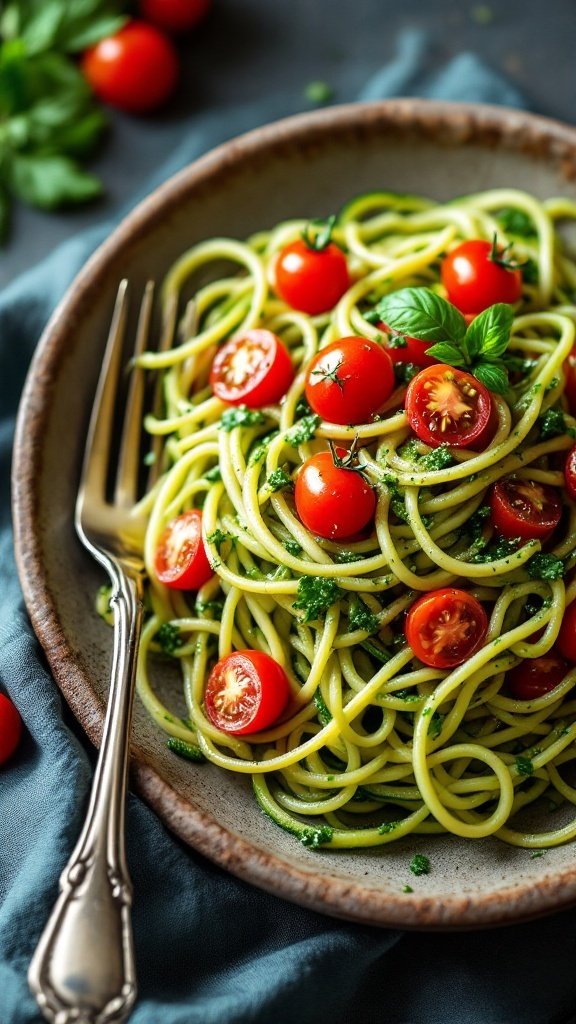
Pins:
x: 126, y: 488
x: 166, y: 338
x: 95, y: 465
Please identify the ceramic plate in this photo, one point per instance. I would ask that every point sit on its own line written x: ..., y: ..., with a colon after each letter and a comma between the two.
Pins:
x: 305, y: 166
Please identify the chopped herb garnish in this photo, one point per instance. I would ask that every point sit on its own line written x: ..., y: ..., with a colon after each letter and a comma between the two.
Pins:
x: 343, y: 557
x: 388, y: 826
x: 420, y: 864
x: 318, y: 92
x: 315, y: 595
x: 278, y: 479
x: 241, y: 416
x: 524, y: 765
x: 168, y: 637
x: 536, y: 853
x: 407, y: 888
x: 516, y: 222
x: 324, y: 715
x: 313, y: 838
x: 360, y: 616
x: 404, y: 372
x: 216, y: 607
x: 213, y: 475
x: 545, y: 567
x: 186, y: 750
x: 218, y: 538
x: 435, y: 725
x: 293, y: 548
x: 552, y: 424
x: 303, y: 430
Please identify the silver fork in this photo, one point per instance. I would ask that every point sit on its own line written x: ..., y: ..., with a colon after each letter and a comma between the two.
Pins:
x: 83, y: 969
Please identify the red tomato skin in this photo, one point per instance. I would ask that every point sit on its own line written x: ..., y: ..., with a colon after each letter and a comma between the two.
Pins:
x: 535, y: 677
x: 10, y: 728
x: 366, y: 377
x: 269, y: 380
x: 432, y: 608
x: 174, y: 15
x: 570, y: 473
x: 566, y: 642
x: 135, y: 70
x: 332, y: 502
x: 265, y: 694
x: 413, y: 351
x: 511, y: 514
x: 473, y: 281
x: 181, y: 561
x: 569, y: 367
x: 311, y: 280
x: 480, y: 431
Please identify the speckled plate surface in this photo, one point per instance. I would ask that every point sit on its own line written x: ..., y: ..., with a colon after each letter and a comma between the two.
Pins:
x: 304, y: 166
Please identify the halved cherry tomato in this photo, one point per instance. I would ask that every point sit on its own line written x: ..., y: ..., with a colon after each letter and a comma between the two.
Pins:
x: 445, y: 405
x: 135, y: 70
x: 475, y: 278
x: 445, y: 627
x: 534, y: 677
x: 311, y: 280
x: 174, y: 15
x: 566, y: 642
x: 570, y: 473
x: 10, y: 728
x: 524, y: 509
x: 253, y: 369
x: 332, y: 501
x: 348, y: 380
x: 569, y: 368
x: 181, y: 561
x: 246, y: 692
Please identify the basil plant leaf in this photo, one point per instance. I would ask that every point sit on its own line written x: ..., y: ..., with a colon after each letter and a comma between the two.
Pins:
x: 420, y: 313
x: 492, y: 377
x: 489, y: 333
x: 446, y: 353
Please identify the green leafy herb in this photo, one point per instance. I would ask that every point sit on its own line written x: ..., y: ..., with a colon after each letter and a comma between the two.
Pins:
x: 278, y: 479
x: 404, y: 372
x: 516, y: 222
x: 324, y: 715
x: 421, y: 313
x: 343, y: 557
x: 500, y: 548
x: 186, y: 750
x: 420, y: 864
x: 318, y: 92
x: 313, y: 838
x: 435, y: 725
x: 218, y: 538
x: 524, y: 765
x: 536, y: 853
x: 241, y: 416
x: 407, y: 888
x: 213, y: 475
x: 216, y: 607
x: 545, y: 567
x: 303, y: 430
x: 388, y: 826
x: 552, y: 424
x: 293, y: 548
x: 168, y: 637
x: 315, y: 595
x: 360, y: 616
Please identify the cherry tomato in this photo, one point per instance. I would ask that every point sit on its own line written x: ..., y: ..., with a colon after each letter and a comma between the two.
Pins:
x: 332, y: 501
x: 10, y: 728
x: 311, y: 280
x: 181, y: 561
x: 445, y: 627
x: 246, y: 692
x: 174, y: 15
x: 253, y: 369
x: 413, y: 351
x: 534, y: 677
x: 566, y: 642
x: 475, y: 280
x: 135, y: 70
x: 570, y: 382
x: 524, y: 509
x: 445, y: 405
x: 348, y: 380
x: 570, y: 473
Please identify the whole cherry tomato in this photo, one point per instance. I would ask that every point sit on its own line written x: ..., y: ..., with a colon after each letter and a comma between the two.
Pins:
x: 253, y: 369
x: 566, y: 642
x: 174, y: 15
x: 476, y: 274
x: 570, y: 383
x: 445, y: 405
x: 409, y: 350
x: 534, y: 677
x: 246, y: 692
x: 445, y: 627
x: 333, y: 501
x: 181, y: 561
x: 135, y: 70
x: 524, y: 509
x: 311, y: 275
x: 10, y: 728
x: 349, y: 379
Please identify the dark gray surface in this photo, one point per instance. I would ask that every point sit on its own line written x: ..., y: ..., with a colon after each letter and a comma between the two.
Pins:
x: 250, y: 48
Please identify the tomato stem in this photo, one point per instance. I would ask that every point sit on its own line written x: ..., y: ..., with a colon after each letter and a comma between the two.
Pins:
x: 499, y: 255
x: 317, y: 234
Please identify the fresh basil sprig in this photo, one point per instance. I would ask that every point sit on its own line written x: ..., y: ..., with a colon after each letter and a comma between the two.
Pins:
x: 478, y: 347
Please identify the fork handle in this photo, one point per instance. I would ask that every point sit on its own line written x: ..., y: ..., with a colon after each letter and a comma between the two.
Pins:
x: 83, y: 970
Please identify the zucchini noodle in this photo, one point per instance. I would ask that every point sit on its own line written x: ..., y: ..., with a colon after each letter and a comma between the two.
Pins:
x: 373, y: 745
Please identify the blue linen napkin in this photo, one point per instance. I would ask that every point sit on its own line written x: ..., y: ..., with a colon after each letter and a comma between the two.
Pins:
x: 210, y: 948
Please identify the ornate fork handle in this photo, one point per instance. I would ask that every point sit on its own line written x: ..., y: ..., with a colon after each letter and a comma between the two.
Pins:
x: 83, y: 968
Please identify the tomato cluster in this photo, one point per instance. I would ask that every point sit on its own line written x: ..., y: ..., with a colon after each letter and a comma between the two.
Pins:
x: 137, y: 68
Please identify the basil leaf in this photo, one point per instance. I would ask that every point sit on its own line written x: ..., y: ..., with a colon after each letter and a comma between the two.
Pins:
x: 76, y: 39
x: 49, y: 181
x: 447, y: 353
x: 489, y: 333
x: 492, y: 377
x: 420, y: 313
